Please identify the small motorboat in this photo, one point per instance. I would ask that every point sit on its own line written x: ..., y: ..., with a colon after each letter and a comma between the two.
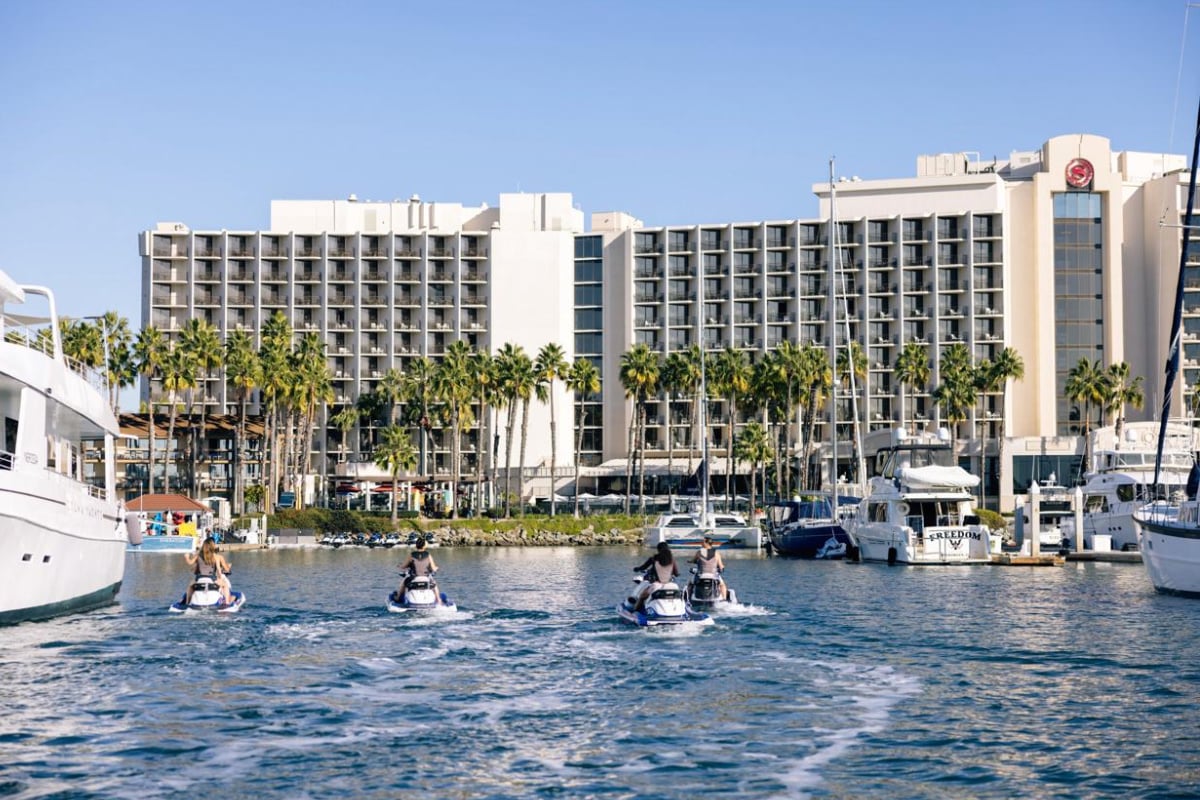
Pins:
x: 703, y: 593
x: 206, y: 597
x: 422, y: 594
x: 663, y: 605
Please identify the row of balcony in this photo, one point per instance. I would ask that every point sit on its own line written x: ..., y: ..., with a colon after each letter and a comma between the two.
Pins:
x: 248, y: 248
x: 309, y: 274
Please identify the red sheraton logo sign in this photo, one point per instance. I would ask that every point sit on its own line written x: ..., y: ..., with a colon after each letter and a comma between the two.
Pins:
x: 1080, y: 173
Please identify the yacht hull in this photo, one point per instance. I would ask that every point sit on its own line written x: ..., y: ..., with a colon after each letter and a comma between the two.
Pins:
x: 1171, y: 553
x: 57, y: 570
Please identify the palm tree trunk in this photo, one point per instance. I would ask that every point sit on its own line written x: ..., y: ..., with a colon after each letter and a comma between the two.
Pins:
x: 553, y: 451
x: 521, y: 473
x: 150, y: 429
x: 670, y: 449
x: 508, y: 439
x: 578, y: 452
x: 167, y: 449
x: 642, y: 461
x: 729, y: 454
x: 632, y: 454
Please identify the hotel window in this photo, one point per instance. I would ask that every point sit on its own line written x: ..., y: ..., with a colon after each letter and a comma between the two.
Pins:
x: 776, y: 261
x: 712, y: 313
x: 878, y: 230
x: 743, y: 238
x: 743, y: 262
x: 913, y: 230
x: 776, y: 236
x: 646, y: 316
x: 645, y: 242
x: 681, y: 339
x: 710, y: 240
x: 677, y: 240
x: 680, y: 314
x: 947, y: 227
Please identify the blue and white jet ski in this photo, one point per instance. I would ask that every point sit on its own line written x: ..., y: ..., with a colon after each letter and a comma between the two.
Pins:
x: 422, y: 594
x: 206, y: 597
x: 664, y: 605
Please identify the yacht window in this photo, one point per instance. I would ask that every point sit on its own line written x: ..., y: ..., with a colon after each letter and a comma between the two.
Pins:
x: 1125, y: 492
x: 878, y: 512
x: 1095, y: 503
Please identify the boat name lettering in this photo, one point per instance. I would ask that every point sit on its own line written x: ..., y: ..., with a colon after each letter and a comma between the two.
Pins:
x: 76, y: 507
x: 31, y: 458
x: 954, y: 535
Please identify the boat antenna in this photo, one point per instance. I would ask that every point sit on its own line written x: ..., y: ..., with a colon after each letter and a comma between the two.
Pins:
x: 1173, y: 351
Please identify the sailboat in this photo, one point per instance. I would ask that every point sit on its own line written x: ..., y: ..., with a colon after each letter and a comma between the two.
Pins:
x: 686, y: 527
x: 811, y: 524
x: 1169, y: 538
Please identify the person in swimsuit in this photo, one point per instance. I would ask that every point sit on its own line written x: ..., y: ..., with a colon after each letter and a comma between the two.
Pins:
x: 209, y: 563
x: 662, y: 569
x: 708, y: 560
x: 419, y: 564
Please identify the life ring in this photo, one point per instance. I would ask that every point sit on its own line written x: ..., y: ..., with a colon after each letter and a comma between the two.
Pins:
x: 902, y: 508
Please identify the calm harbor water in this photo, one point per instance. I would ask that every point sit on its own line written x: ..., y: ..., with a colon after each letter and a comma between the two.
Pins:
x: 839, y: 680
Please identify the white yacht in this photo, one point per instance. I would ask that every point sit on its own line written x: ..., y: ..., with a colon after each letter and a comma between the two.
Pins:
x: 1122, y: 479
x: 919, y: 508
x: 1056, y: 522
x: 62, y: 538
x: 686, y: 527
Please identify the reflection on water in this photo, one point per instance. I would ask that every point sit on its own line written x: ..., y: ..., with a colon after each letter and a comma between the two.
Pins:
x: 834, y: 680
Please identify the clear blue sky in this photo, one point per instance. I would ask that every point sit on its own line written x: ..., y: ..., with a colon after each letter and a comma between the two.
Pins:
x: 117, y: 115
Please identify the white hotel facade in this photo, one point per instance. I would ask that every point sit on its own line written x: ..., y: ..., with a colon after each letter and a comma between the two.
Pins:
x: 1062, y: 253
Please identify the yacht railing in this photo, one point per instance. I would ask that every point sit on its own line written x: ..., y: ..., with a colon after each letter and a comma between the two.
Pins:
x: 33, y: 338
x: 7, y: 459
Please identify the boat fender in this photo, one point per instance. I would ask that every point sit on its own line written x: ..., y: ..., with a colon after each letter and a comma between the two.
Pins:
x: 133, y: 529
x: 891, y: 556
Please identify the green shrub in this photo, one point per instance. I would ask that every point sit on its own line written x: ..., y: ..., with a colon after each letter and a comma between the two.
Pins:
x: 990, y: 518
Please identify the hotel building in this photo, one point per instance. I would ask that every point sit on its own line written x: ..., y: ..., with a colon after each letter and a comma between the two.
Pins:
x: 1063, y: 253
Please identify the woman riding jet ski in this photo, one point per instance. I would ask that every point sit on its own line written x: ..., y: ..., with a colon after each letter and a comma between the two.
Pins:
x: 707, y: 587
x: 418, y: 591
x: 655, y: 598
x: 210, y: 589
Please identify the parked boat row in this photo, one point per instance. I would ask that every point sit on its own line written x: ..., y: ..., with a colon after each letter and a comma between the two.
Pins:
x: 376, y: 539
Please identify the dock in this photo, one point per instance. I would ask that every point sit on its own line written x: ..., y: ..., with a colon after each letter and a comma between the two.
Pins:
x: 1018, y: 560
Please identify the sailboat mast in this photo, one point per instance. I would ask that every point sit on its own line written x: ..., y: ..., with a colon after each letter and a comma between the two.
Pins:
x: 1173, y: 352
x: 831, y: 302
x: 703, y: 413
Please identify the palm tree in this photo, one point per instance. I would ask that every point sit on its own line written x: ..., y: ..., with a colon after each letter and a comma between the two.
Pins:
x: 452, y: 386
x: 852, y: 373
x: 396, y: 454
x: 674, y: 381
x: 639, y: 375
x: 754, y: 447
x: 584, y: 381
x: 791, y: 367
x: 242, y: 371
x: 1122, y: 392
x: 344, y: 419
x: 550, y: 366
x: 274, y: 356
x: 419, y: 394
x: 481, y: 374
x: 1086, y: 383
x: 816, y: 384
x: 313, y: 389
x: 912, y: 371
x: 148, y: 350
x: 1006, y: 366
x: 730, y: 380
x: 199, y: 340
x: 956, y: 394
x: 177, y: 376
x: 514, y: 377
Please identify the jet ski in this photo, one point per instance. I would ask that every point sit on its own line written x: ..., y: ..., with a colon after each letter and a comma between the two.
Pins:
x: 664, y: 605
x: 703, y: 592
x: 422, y: 594
x: 206, y: 596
